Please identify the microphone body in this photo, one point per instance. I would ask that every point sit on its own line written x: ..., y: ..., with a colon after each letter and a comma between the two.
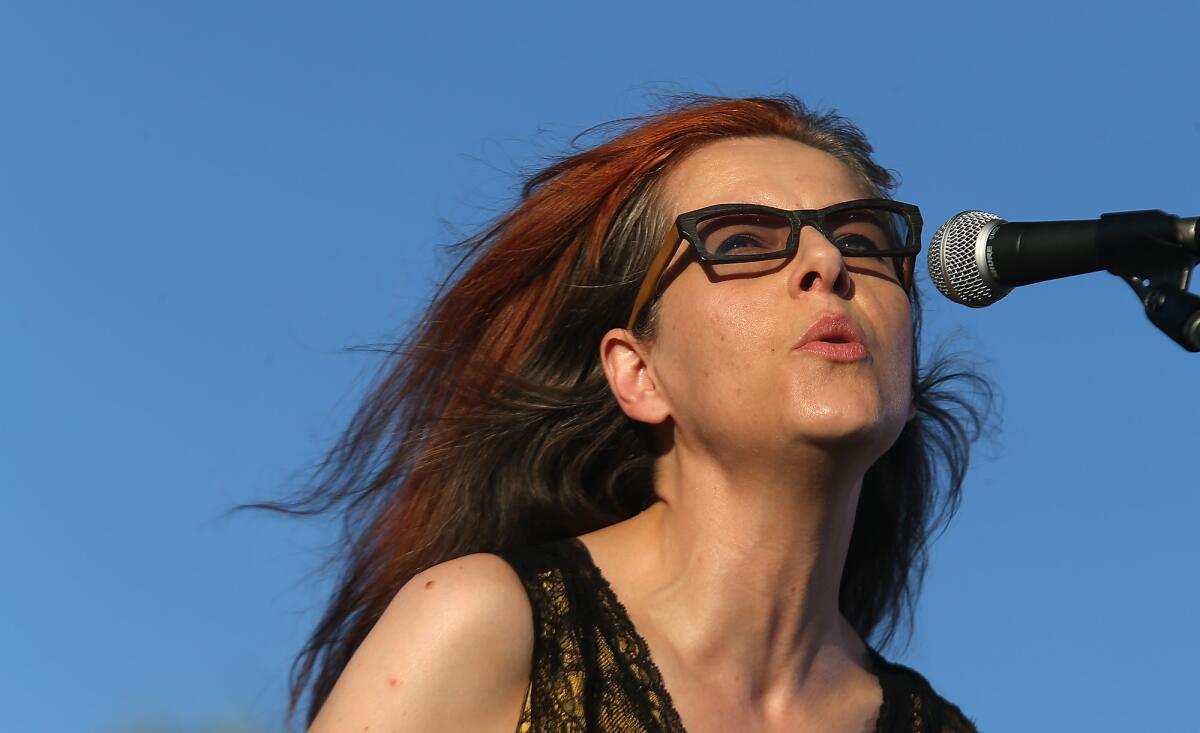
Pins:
x: 1023, y: 254
x: 976, y: 258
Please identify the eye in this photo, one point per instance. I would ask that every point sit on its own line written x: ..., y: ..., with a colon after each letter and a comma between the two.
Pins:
x: 744, y: 234
x: 742, y: 243
x: 857, y: 243
x: 864, y: 232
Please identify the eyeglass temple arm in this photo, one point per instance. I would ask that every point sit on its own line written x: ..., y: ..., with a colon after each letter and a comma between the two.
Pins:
x: 654, y: 272
x: 906, y: 279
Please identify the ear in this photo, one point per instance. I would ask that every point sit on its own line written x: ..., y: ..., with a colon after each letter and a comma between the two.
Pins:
x: 631, y: 378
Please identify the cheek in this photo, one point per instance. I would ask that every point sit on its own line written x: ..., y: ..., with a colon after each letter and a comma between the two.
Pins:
x: 898, y: 349
x: 716, y: 314
x: 743, y: 323
x: 714, y: 343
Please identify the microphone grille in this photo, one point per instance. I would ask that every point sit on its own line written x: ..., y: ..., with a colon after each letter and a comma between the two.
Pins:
x: 952, y: 264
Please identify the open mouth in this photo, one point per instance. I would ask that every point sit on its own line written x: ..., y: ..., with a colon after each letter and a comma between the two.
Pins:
x: 836, y: 337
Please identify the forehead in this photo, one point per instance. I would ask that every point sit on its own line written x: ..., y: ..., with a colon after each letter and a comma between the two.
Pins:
x: 773, y: 171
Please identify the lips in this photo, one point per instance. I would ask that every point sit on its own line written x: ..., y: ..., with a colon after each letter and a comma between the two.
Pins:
x: 836, y: 337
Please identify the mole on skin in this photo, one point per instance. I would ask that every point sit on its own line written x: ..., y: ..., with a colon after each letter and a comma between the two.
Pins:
x: 429, y: 584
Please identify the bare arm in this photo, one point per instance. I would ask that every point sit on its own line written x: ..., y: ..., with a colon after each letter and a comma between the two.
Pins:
x: 451, y: 652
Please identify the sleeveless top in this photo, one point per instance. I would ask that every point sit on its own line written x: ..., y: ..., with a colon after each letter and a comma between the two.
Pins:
x: 592, y: 671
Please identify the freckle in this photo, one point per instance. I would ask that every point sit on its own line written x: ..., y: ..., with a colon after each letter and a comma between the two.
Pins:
x: 392, y: 682
x: 429, y: 584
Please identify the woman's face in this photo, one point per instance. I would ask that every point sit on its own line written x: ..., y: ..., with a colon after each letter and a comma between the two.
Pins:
x: 727, y: 347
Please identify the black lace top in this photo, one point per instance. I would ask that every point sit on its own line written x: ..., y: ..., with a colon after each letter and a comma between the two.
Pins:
x: 592, y: 671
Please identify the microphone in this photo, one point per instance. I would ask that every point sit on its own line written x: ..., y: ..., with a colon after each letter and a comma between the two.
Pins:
x: 977, y: 258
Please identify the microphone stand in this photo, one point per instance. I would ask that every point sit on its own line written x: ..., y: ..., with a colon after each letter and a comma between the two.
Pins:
x: 1155, y: 254
x: 1175, y: 311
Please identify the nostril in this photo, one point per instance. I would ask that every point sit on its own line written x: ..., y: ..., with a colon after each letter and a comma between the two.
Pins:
x: 844, y: 285
x: 808, y: 280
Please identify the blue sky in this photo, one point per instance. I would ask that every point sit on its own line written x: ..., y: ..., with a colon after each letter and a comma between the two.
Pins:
x: 203, y: 205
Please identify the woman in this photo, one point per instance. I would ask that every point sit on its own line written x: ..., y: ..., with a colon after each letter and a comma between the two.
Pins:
x: 661, y: 457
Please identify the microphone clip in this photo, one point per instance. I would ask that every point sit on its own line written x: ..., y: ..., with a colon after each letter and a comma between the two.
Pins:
x: 1155, y: 254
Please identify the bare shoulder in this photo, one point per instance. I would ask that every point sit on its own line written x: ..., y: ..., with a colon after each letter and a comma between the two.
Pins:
x: 451, y: 652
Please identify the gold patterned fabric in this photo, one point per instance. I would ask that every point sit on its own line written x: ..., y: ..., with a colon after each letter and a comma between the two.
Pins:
x: 592, y: 671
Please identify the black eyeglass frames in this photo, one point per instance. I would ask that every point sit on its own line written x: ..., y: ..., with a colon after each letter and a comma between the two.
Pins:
x: 884, y: 234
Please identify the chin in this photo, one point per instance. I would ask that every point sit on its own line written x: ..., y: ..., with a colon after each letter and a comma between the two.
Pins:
x: 864, y: 412
x: 856, y: 431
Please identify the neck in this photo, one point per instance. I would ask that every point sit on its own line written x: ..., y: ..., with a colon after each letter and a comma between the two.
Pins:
x: 737, y: 571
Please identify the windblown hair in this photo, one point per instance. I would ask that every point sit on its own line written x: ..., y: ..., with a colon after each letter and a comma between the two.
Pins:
x: 492, y: 425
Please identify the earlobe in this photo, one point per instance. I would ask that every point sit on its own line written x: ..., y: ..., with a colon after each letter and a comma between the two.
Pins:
x: 631, y: 378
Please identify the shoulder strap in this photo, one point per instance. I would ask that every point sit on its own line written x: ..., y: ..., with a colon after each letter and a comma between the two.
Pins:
x: 561, y: 665
x: 911, y: 704
x: 591, y: 670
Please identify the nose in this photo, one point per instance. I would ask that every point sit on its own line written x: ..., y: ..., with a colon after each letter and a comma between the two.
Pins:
x: 819, y: 266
